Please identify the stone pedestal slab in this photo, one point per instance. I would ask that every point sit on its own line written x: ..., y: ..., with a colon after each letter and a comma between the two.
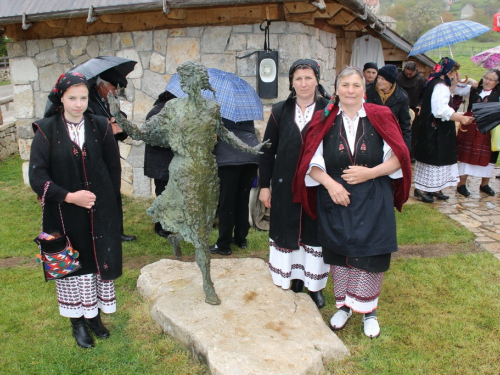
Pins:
x: 257, y: 329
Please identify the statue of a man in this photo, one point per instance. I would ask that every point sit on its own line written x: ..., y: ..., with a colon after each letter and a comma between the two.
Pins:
x: 189, y: 126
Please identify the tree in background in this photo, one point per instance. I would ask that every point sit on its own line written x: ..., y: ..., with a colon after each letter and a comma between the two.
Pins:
x: 3, y: 45
x: 421, y: 18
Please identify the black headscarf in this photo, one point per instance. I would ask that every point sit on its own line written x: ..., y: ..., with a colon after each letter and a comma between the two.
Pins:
x: 443, y: 67
x: 314, y: 65
x: 64, y: 82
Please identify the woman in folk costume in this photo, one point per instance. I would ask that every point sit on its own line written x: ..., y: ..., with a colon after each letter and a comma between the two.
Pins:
x: 355, y: 154
x: 77, y: 153
x: 473, y: 147
x: 436, y: 141
x: 295, y: 256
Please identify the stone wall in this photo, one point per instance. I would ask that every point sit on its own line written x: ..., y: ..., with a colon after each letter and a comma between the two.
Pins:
x: 36, y: 64
x: 8, y: 144
x: 4, y: 74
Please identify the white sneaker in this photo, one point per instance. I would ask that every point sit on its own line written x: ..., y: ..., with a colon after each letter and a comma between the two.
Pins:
x: 340, y: 319
x: 371, y: 327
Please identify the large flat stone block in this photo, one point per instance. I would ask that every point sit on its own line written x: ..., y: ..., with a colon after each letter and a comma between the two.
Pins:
x: 258, y: 328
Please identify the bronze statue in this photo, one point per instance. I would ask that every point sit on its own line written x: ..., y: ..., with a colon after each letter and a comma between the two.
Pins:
x: 190, y: 125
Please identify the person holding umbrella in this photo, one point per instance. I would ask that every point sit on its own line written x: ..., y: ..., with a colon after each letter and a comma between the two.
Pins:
x: 295, y: 255
x: 74, y: 153
x: 108, y: 82
x: 474, y: 148
x: 436, y: 143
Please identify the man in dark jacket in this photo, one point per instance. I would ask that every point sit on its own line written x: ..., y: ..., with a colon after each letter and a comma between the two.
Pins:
x: 385, y: 91
x: 108, y: 81
x: 237, y: 171
x: 157, y: 159
x: 412, y: 81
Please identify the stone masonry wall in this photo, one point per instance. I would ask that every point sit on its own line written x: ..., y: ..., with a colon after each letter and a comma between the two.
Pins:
x: 35, y: 66
x: 8, y: 144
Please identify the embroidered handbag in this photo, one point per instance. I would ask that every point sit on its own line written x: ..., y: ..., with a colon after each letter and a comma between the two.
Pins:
x: 56, y: 252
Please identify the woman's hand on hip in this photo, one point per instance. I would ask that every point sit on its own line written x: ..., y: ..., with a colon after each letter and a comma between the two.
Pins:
x: 356, y: 174
x: 82, y: 198
x: 265, y: 197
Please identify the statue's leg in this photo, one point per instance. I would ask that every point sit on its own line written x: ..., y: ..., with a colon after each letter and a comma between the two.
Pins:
x: 202, y: 255
x: 175, y: 241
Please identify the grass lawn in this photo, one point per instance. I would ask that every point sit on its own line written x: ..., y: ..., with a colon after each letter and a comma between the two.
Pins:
x: 3, y: 83
x: 439, y: 315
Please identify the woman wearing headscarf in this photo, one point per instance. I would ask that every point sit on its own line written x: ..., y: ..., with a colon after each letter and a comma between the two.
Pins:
x: 357, y: 168
x: 474, y: 148
x: 436, y: 143
x: 295, y: 258
x: 75, y: 154
x: 386, y: 91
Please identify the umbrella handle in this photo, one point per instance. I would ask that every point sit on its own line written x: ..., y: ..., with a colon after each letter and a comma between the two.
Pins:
x: 465, y: 79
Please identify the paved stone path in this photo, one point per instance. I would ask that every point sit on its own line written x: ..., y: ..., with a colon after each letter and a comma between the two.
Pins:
x: 479, y: 212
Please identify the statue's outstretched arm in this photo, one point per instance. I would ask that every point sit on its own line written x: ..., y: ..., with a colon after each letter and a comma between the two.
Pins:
x: 229, y: 137
x: 150, y: 131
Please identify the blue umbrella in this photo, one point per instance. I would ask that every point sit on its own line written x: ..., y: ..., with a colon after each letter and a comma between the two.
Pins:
x: 237, y: 98
x: 447, y: 34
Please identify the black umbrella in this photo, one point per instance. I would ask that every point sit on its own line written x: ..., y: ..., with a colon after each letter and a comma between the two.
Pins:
x: 93, y: 67
x: 487, y: 115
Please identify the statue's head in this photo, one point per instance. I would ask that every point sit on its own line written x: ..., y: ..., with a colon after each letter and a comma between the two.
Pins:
x: 193, y: 77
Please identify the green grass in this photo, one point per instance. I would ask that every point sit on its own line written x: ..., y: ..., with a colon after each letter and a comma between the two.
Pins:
x: 438, y: 315
x: 4, y: 83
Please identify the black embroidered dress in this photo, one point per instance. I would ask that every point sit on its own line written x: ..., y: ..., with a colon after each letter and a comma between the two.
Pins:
x: 363, y: 234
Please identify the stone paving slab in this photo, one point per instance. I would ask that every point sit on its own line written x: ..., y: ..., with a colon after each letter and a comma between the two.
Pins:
x: 479, y: 212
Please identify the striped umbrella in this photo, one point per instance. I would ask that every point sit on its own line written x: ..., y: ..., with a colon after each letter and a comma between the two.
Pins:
x: 447, y: 34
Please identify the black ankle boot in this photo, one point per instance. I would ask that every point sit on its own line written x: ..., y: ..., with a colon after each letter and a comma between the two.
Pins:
x: 80, y: 333
x: 297, y: 285
x: 318, y: 299
x: 95, y: 324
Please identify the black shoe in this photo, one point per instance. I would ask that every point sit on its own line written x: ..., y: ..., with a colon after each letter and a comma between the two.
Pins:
x: 318, y: 299
x: 439, y: 195
x: 486, y: 189
x: 80, y: 333
x: 216, y: 250
x: 163, y: 233
x: 95, y: 324
x: 297, y: 285
x: 424, y: 196
x: 126, y: 238
x: 462, y: 189
x: 241, y: 245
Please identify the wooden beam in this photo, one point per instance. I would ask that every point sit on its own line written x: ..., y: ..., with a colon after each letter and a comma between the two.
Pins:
x: 112, y: 18
x: 300, y: 7
x: 342, y: 18
x: 177, y: 14
x: 57, y: 23
x: 356, y: 25
x: 305, y: 18
x: 151, y: 20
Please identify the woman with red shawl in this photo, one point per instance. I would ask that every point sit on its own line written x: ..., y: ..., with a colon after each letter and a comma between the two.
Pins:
x: 358, y: 159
